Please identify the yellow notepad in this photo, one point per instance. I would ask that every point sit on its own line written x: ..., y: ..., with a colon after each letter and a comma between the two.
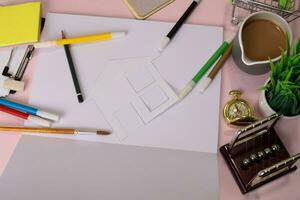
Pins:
x: 19, y: 23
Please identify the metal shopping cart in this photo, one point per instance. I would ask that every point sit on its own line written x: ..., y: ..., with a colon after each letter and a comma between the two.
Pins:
x: 264, y: 5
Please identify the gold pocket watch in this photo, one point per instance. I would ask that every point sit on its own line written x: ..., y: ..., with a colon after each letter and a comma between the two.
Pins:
x: 237, y: 111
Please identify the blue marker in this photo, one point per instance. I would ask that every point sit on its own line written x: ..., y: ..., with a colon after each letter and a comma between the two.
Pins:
x: 28, y: 109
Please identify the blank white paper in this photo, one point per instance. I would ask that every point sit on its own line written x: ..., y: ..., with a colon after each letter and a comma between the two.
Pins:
x: 191, y: 124
x: 133, y: 86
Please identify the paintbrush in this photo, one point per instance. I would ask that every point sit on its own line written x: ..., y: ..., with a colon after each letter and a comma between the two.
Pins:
x: 54, y: 130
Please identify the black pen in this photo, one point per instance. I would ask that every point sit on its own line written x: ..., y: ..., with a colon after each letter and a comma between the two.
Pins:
x: 165, y: 41
x: 73, y: 71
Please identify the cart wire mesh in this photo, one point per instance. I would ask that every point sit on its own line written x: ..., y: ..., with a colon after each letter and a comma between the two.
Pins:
x: 265, y: 5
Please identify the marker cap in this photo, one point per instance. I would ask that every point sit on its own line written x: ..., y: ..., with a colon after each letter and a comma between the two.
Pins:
x: 47, y: 115
x: 186, y: 90
x: 115, y: 35
x: 164, y: 43
x: 204, y: 84
x: 44, y: 44
x: 39, y: 121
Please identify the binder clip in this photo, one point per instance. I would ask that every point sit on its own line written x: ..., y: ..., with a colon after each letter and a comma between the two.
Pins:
x: 9, y: 83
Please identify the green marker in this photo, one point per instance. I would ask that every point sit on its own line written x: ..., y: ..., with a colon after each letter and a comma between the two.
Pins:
x: 189, y: 87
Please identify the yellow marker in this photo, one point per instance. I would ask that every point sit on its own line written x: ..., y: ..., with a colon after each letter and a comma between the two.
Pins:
x: 82, y: 39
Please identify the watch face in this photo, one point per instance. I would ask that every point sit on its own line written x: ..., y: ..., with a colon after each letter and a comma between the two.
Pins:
x: 237, y: 112
x: 238, y: 109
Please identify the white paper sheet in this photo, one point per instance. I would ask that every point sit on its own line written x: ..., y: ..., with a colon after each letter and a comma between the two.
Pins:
x: 191, y: 124
x: 131, y: 93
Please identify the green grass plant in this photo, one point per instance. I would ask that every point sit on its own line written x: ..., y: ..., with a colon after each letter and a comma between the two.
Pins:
x: 286, y: 4
x: 283, y: 89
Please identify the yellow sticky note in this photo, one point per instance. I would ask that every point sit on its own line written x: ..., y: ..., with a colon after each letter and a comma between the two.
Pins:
x: 19, y: 23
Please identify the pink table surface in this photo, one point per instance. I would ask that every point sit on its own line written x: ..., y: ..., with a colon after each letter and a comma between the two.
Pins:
x: 210, y: 12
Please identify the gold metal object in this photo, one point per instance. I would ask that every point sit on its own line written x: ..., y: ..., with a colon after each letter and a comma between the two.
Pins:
x: 237, y: 112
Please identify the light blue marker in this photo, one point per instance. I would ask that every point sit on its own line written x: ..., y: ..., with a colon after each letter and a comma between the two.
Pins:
x: 28, y: 109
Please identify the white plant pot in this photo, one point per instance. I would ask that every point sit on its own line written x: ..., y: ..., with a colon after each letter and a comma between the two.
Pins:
x: 266, y: 109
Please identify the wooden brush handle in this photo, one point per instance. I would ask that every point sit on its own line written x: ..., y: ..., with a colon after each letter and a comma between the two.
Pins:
x: 38, y: 130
